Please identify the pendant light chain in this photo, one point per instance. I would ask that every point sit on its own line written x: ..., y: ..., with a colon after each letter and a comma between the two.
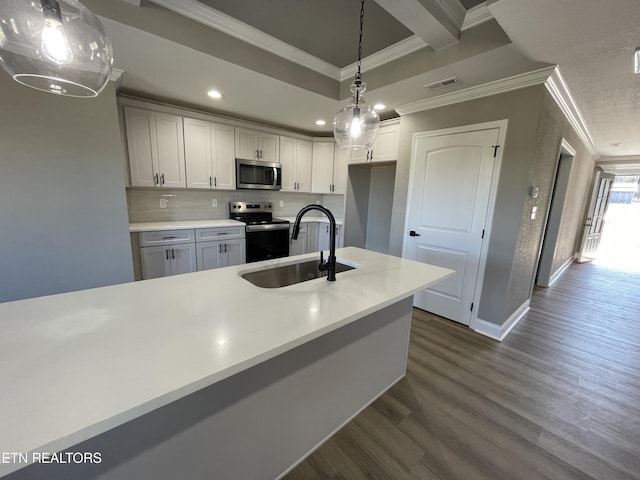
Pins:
x: 358, y: 74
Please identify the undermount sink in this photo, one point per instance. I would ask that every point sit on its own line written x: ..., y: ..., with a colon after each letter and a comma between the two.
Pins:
x: 284, y: 275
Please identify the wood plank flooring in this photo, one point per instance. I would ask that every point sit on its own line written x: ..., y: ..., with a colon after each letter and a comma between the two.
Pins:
x: 558, y: 399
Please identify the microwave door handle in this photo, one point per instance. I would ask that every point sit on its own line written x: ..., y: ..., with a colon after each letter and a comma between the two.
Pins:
x: 275, y: 176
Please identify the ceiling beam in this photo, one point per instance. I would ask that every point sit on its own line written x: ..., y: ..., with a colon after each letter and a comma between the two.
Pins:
x: 428, y: 19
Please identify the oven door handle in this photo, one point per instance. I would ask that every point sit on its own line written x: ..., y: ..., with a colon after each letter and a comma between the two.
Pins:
x: 269, y: 226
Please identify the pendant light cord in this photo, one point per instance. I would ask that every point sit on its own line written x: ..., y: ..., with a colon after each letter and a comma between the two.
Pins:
x: 358, y: 74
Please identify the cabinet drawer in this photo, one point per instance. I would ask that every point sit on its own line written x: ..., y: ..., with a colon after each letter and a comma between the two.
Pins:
x: 216, y: 234
x: 166, y: 237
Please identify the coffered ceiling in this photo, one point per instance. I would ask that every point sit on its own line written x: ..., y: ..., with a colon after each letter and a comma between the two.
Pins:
x: 290, y: 62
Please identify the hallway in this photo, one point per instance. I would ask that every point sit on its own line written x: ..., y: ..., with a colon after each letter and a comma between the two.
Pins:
x: 558, y: 399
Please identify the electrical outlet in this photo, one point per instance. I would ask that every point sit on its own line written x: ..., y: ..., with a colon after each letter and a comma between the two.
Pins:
x: 281, y: 203
x: 214, y: 202
x: 163, y: 203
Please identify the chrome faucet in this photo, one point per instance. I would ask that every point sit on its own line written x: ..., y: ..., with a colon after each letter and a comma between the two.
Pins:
x: 330, y: 265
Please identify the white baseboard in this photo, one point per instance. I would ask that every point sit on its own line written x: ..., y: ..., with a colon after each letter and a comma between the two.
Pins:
x: 499, y: 332
x: 560, y: 271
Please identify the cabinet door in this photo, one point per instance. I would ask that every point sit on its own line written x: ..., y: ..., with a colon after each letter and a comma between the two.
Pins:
x: 142, y: 147
x: 288, y: 161
x: 170, y: 151
x: 299, y: 246
x: 269, y: 146
x: 360, y: 155
x: 183, y: 258
x: 223, y: 152
x: 208, y: 255
x: 340, y: 170
x: 233, y: 253
x: 312, y: 236
x: 322, y: 170
x: 197, y: 153
x: 246, y: 144
x: 385, y: 148
x: 155, y: 262
x: 303, y: 165
x: 323, y: 236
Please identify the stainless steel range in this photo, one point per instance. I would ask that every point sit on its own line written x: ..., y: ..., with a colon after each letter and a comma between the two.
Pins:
x: 266, y: 237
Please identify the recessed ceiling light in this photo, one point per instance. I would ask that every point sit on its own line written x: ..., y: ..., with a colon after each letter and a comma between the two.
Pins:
x: 214, y: 94
x: 320, y: 122
x: 379, y: 106
x: 637, y: 57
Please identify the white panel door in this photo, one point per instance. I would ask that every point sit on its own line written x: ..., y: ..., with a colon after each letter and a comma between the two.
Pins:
x: 448, y: 204
x: 233, y: 253
x: 594, y: 223
x: 385, y: 147
x: 303, y: 165
x: 170, y: 150
x: 155, y: 262
x: 197, y: 152
x: 223, y: 156
x: 208, y: 255
x: 269, y: 147
x: 340, y: 169
x: 246, y: 144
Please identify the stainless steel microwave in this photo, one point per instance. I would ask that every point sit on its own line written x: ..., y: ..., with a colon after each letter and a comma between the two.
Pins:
x: 254, y: 174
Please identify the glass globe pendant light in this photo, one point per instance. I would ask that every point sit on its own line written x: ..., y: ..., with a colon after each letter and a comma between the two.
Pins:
x: 57, y: 46
x: 356, y: 125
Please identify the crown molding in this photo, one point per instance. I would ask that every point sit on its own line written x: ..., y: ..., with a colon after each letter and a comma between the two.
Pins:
x: 620, y: 158
x: 559, y: 90
x: 516, y: 82
x: 386, y: 55
x: 475, y: 16
x: 220, y: 21
x: 116, y: 74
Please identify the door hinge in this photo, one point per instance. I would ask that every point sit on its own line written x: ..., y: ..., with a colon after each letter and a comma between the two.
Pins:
x: 471, y: 307
x: 495, y: 150
x: 483, y: 233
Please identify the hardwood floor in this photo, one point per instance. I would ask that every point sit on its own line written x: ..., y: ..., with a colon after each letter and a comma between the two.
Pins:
x: 558, y: 399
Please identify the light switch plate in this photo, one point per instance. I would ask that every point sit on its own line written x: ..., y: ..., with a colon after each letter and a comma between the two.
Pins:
x: 163, y: 203
x: 281, y: 203
x: 214, y: 202
x: 534, y: 212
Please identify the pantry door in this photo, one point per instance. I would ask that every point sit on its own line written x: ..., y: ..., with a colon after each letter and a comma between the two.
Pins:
x: 450, y: 191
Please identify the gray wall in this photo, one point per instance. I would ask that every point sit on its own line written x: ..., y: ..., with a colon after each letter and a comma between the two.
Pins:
x: 380, y: 208
x: 536, y: 127
x: 62, y: 201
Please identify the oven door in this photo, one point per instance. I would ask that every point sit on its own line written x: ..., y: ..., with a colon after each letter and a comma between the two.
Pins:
x: 267, y: 241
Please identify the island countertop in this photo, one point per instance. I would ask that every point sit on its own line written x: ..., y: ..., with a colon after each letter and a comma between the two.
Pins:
x: 75, y: 365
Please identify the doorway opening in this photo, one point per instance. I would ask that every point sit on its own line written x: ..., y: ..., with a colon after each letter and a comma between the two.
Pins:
x: 619, y: 247
x: 549, y: 266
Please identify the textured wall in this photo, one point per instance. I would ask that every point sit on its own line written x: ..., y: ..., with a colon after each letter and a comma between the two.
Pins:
x: 530, y: 153
x: 63, y: 210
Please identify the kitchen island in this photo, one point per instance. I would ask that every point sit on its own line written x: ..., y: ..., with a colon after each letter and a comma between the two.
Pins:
x: 202, y: 375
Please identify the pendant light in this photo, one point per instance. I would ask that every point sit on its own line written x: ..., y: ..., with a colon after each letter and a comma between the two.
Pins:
x: 356, y: 125
x: 57, y: 46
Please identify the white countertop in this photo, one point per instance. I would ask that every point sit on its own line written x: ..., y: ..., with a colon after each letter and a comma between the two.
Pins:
x: 182, y: 224
x: 75, y: 365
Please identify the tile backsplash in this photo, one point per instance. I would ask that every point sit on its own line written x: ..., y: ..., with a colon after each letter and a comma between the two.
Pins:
x: 144, y: 203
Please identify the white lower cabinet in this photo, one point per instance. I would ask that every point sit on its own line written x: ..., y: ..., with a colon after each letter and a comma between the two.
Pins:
x: 220, y: 247
x: 166, y: 260
x: 323, y: 236
x: 299, y: 246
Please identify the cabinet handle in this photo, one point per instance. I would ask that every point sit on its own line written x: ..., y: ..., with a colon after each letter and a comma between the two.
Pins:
x: 225, y: 248
x: 167, y: 253
x: 215, y: 181
x: 155, y: 179
x: 210, y: 181
x: 220, y: 248
x: 173, y: 253
x: 162, y: 178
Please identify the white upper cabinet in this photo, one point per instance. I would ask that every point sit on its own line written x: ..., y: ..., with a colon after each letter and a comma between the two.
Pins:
x: 255, y: 145
x: 156, y: 149
x: 384, y: 149
x: 209, y: 154
x: 296, y: 160
x: 329, y: 168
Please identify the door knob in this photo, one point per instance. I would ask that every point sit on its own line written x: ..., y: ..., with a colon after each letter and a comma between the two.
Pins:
x: 413, y: 233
